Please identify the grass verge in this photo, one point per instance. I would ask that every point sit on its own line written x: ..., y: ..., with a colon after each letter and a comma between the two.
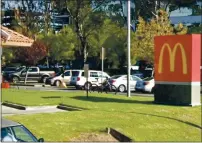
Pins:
x: 137, y: 117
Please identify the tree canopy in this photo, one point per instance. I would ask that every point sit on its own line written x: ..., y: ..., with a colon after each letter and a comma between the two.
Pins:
x: 96, y: 24
x: 143, y: 39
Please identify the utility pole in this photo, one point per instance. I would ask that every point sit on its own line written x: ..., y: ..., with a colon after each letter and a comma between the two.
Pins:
x: 128, y: 45
x: 102, y: 64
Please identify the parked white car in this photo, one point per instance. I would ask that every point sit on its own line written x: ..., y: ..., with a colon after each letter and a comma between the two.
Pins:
x: 94, y: 77
x: 146, y: 85
x: 120, y: 82
x: 59, y: 78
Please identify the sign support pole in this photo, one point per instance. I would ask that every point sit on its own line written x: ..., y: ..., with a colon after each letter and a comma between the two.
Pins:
x: 102, y: 66
x: 128, y: 79
x: 86, y: 68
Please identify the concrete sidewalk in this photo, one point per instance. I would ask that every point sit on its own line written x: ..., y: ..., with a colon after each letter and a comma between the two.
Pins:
x: 7, y: 111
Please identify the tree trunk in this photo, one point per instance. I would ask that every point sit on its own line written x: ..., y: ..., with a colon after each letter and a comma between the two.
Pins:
x: 83, y: 42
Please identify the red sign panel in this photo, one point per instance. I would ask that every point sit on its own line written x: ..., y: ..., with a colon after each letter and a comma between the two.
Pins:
x: 177, y: 58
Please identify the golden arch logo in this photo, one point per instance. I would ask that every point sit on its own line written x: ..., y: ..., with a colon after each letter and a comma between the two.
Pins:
x: 172, y: 55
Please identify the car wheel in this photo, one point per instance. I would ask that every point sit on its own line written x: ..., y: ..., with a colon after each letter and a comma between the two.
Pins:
x: 152, y: 91
x: 44, y: 79
x: 78, y: 88
x: 57, y: 83
x: 15, y: 79
x: 87, y: 85
x: 122, y: 88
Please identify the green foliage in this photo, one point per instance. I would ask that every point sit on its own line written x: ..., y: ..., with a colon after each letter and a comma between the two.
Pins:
x: 113, y: 38
x: 196, y: 10
x: 115, y: 46
x: 143, y: 39
x: 61, y: 46
x: 195, y: 29
x: 7, y: 56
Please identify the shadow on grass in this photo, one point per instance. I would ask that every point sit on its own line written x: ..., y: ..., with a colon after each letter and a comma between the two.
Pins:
x: 185, y: 122
x: 106, y: 99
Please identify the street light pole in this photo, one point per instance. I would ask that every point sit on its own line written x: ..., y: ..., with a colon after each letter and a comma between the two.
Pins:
x: 128, y: 79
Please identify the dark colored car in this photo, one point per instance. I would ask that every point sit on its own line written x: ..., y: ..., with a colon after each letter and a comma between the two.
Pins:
x: 9, y: 70
x: 15, y: 132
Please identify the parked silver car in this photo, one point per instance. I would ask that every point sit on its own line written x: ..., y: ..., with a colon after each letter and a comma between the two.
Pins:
x: 15, y: 132
x: 120, y: 82
x: 146, y: 85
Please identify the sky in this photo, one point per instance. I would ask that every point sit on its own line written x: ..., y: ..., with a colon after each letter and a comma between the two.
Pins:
x: 181, y: 12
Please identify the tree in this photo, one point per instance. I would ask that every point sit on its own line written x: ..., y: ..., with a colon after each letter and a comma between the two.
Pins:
x: 143, y: 39
x: 85, y: 20
x: 32, y: 54
x: 113, y: 38
x: 60, y: 46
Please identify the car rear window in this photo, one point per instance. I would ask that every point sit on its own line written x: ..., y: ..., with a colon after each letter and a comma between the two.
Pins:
x: 75, y: 73
x: 115, y: 77
x: 148, y: 78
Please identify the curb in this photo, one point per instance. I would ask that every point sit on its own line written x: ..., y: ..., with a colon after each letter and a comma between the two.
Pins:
x: 16, y: 106
x: 72, y: 106
x: 31, y: 85
x: 119, y: 136
x: 21, y: 84
x: 26, y: 85
x: 30, y: 108
x: 46, y: 85
x: 69, y: 108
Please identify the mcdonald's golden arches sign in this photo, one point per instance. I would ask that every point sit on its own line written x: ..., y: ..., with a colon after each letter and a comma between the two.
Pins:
x: 177, y: 58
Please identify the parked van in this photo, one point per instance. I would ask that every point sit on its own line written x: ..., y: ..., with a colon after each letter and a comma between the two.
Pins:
x: 94, y: 77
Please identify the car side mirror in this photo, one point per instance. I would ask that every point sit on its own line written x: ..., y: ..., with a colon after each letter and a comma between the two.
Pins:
x: 41, y: 140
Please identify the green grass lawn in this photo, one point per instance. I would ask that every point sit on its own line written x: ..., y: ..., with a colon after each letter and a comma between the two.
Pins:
x: 136, y: 117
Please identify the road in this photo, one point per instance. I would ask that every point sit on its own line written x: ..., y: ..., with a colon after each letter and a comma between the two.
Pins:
x: 7, y: 111
x: 70, y: 89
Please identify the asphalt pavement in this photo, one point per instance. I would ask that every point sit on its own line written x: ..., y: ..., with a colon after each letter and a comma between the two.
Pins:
x: 71, y: 89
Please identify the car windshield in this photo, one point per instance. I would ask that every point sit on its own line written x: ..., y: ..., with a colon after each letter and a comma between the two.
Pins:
x: 20, y: 69
x: 75, y: 73
x: 22, y: 134
x: 58, y: 74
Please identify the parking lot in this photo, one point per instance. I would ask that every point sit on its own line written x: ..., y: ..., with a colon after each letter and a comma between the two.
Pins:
x: 43, y: 87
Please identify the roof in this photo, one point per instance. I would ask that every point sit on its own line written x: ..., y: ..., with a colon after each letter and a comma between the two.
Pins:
x: 8, y: 123
x: 14, y: 39
x: 186, y: 19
